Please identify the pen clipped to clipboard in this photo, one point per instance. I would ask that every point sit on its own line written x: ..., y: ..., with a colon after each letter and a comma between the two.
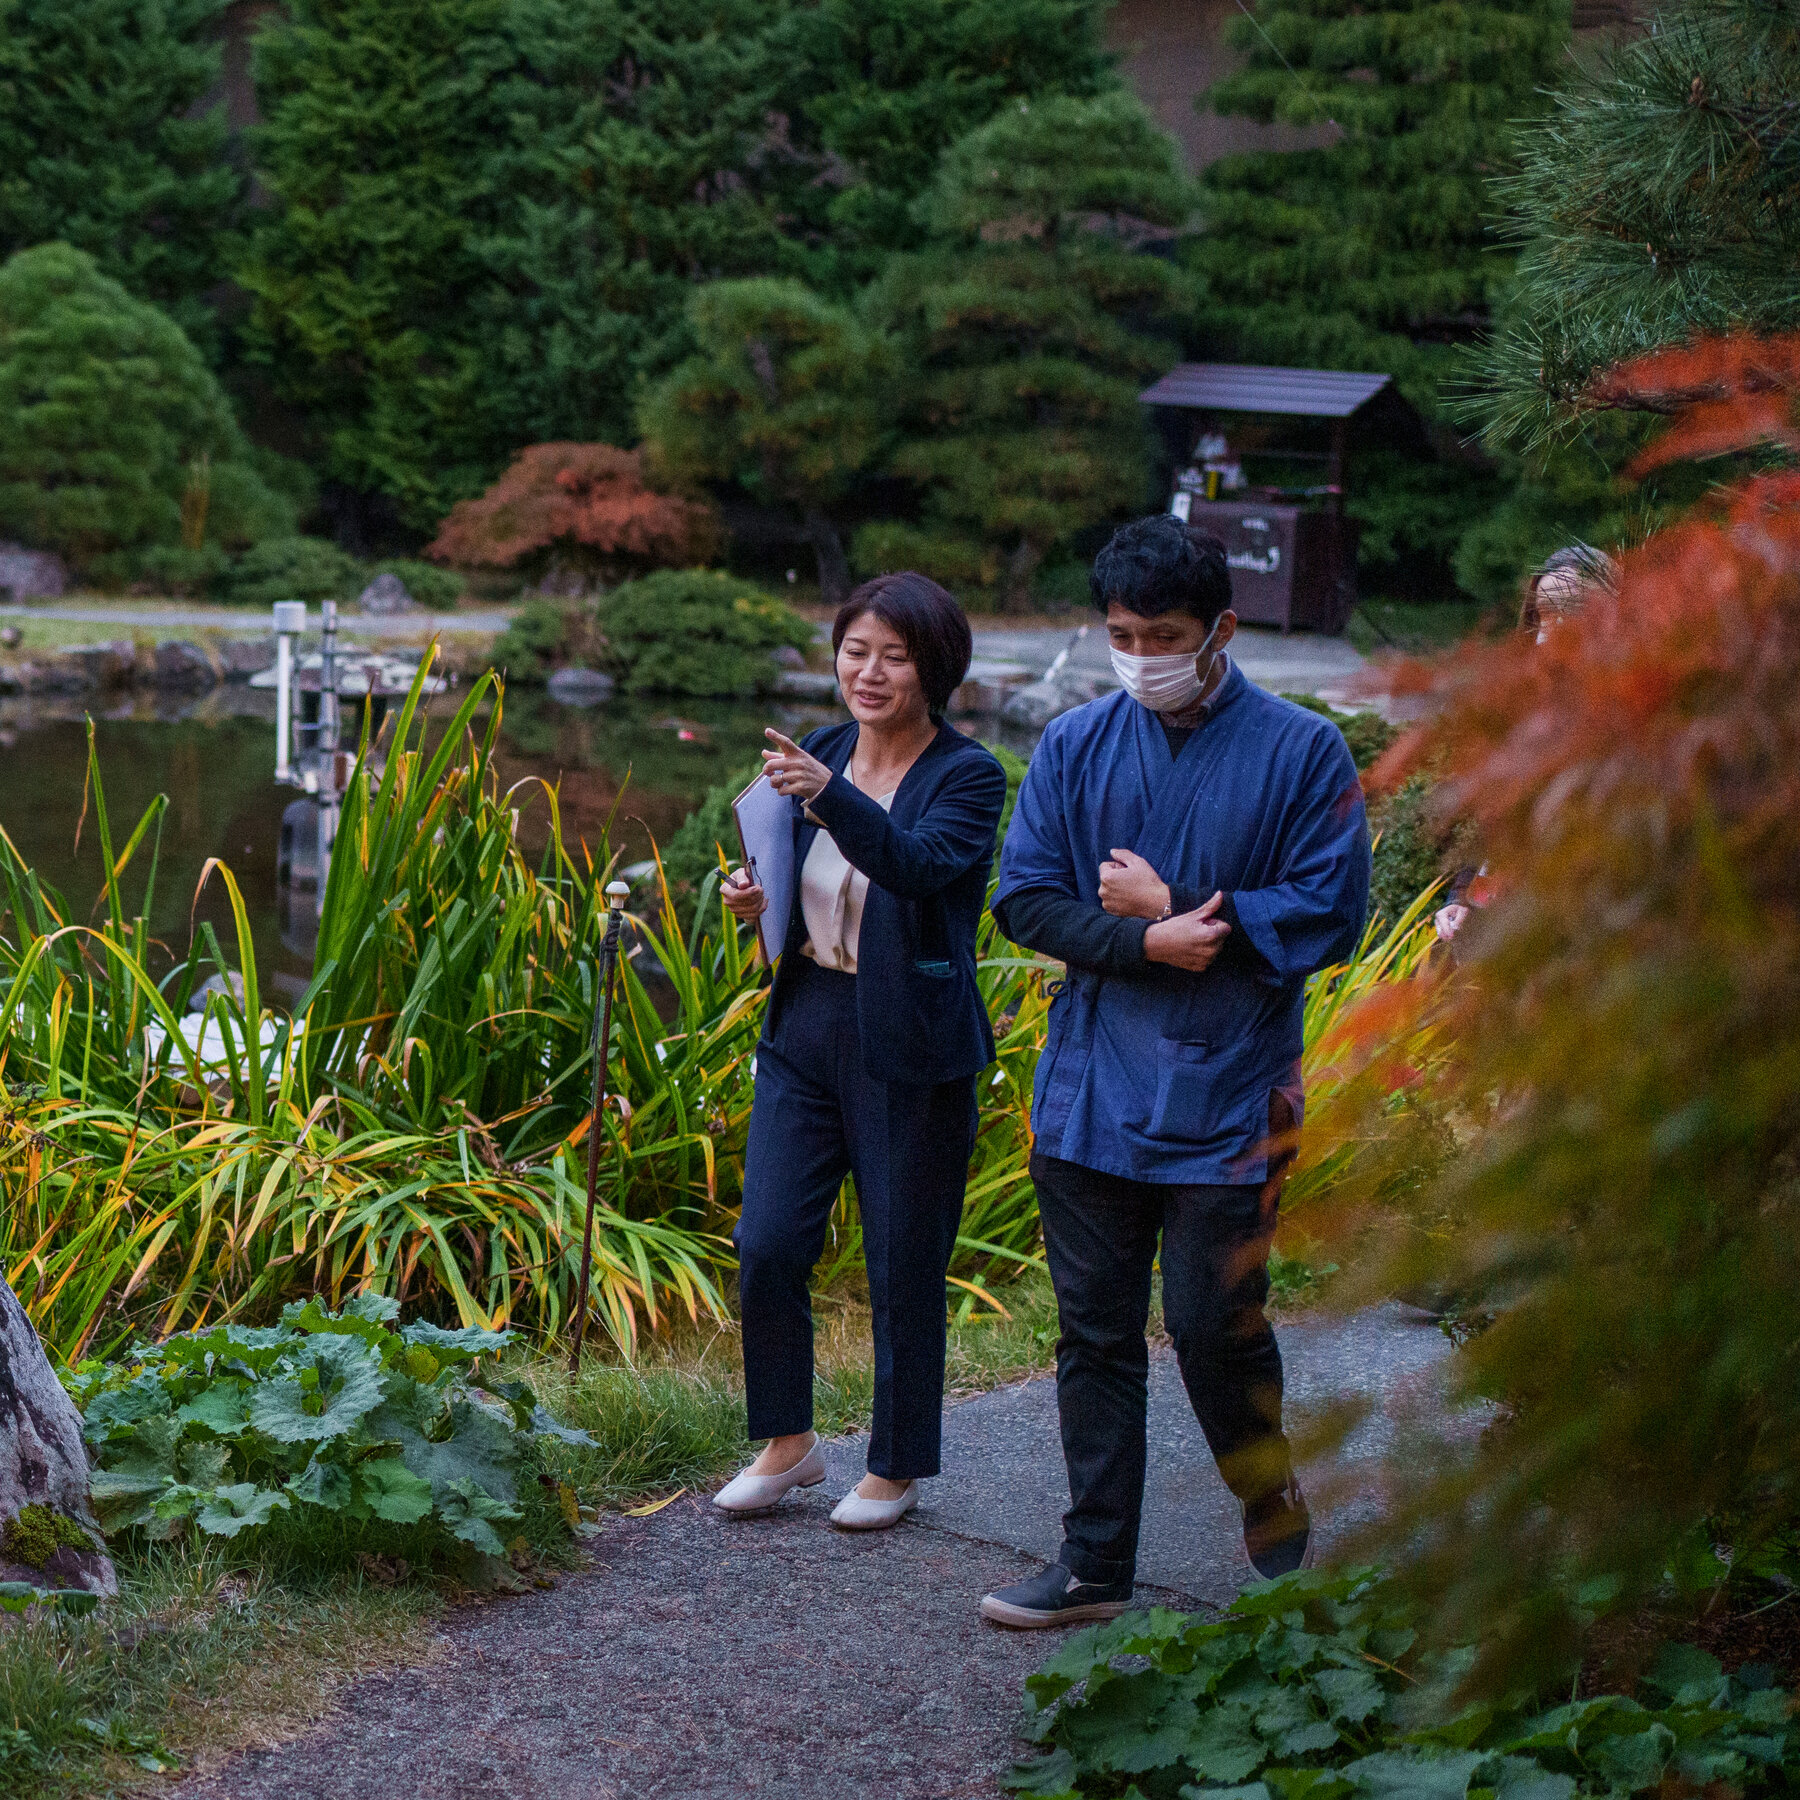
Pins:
x: 765, y: 828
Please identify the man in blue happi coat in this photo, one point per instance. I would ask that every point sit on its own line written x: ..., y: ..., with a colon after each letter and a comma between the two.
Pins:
x: 1192, y: 848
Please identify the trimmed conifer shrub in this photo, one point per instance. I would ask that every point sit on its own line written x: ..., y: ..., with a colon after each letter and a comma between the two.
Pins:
x: 120, y: 452
x: 698, y: 632
x: 1020, y: 332
x: 785, y: 397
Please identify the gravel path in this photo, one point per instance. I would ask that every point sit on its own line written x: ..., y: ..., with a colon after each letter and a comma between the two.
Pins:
x: 700, y: 1657
x: 707, y: 1657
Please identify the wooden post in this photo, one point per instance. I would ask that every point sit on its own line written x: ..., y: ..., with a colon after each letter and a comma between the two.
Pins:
x: 616, y: 895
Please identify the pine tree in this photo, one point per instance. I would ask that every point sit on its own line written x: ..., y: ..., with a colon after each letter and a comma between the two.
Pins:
x: 1022, y: 328
x: 1655, y: 202
x: 1660, y: 200
x: 783, y: 397
x: 1375, y: 251
x: 102, y: 145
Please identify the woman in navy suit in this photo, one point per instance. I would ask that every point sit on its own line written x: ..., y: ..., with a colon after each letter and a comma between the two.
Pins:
x: 875, y: 1034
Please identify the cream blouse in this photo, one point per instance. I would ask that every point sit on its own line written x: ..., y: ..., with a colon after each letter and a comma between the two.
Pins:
x: 831, y: 901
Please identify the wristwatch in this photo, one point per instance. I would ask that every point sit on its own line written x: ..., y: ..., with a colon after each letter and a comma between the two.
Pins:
x: 1168, y: 912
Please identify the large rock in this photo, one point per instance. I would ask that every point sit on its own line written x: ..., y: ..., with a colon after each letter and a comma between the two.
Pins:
x: 988, y: 686
x: 32, y: 574
x: 807, y: 684
x: 580, y: 687
x: 49, y: 675
x: 1036, y: 705
x: 100, y: 666
x: 247, y: 656
x: 43, y: 1461
x: 387, y: 594
x: 184, y: 668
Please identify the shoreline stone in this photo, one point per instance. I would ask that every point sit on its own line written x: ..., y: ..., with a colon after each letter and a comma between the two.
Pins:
x: 43, y: 1457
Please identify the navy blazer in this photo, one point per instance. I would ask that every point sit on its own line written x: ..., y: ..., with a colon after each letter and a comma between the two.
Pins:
x: 918, y: 1010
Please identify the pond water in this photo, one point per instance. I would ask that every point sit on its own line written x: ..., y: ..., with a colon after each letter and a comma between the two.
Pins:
x: 215, y: 761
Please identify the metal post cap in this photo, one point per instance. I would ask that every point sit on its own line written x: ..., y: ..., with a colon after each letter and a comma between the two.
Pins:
x: 617, y: 893
x: 290, y: 617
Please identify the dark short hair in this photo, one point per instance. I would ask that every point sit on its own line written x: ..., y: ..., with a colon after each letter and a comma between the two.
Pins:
x: 933, y: 627
x: 1162, y: 564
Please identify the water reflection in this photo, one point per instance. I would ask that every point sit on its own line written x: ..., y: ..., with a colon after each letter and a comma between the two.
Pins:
x: 215, y: 760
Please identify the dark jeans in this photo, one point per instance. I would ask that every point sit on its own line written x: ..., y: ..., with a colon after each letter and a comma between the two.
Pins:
x: 1100, y: 1236
x: 819, y: 1116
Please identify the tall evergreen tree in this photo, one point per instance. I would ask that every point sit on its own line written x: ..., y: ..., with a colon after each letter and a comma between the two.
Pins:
x: 104, y: 145
x: 489, y: 214
x: 1375, y: 250
x: 784, y: 398
x: 881, y: 88
x: 380, y: 118
x: 657, y: 157
x: 1022, y: 327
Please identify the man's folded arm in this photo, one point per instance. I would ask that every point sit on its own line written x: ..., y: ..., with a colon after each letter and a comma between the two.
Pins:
x: 1073, y: 931
x: 1237, y: 949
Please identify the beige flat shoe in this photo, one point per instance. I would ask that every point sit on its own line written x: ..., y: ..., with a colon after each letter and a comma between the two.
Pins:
x: 747, y: 1493
x: 854, y: 1513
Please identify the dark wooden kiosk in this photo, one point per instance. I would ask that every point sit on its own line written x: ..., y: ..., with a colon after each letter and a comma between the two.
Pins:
x: 1291, y: 549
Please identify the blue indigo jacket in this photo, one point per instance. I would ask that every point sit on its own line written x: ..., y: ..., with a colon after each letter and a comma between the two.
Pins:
x: 1159, y: 1074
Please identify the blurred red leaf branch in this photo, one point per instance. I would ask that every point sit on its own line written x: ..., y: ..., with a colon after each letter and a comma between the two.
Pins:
x: 1620, y: 1065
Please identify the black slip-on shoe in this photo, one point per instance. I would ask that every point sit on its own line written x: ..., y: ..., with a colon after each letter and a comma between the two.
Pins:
x: 1054, y: 1597
x: 1278, y: 1534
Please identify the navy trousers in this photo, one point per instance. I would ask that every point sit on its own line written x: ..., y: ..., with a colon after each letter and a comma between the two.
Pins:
x: 1101, y: 1237
x: 819, y: 1116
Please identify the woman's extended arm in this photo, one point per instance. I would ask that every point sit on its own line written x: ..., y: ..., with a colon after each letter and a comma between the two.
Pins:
x: 955, y: 834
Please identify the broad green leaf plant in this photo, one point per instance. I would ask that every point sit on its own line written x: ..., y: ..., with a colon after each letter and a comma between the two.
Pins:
x: 1316, y: 1687
x: 344, y: 1411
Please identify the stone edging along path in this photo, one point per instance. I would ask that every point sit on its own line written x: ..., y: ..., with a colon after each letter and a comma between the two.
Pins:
x: 707, y: 1657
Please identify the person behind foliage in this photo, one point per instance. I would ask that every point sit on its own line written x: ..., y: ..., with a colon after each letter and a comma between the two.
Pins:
x: 1192, y: 849
x: 1555, y: 592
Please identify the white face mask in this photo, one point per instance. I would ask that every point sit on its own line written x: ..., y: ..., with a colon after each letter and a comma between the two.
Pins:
x: 1165, y: 683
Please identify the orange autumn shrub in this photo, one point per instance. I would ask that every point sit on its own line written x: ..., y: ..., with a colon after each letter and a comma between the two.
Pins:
x: 585, y: 505
x: 1623, y: 1070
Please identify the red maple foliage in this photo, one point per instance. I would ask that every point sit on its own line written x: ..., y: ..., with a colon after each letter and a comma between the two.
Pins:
x: 585, y: 503
x: 1623, y: 1078
x: 1729, y: 394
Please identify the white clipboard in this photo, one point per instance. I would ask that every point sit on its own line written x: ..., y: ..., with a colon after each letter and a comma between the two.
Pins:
x: 765, y: 828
